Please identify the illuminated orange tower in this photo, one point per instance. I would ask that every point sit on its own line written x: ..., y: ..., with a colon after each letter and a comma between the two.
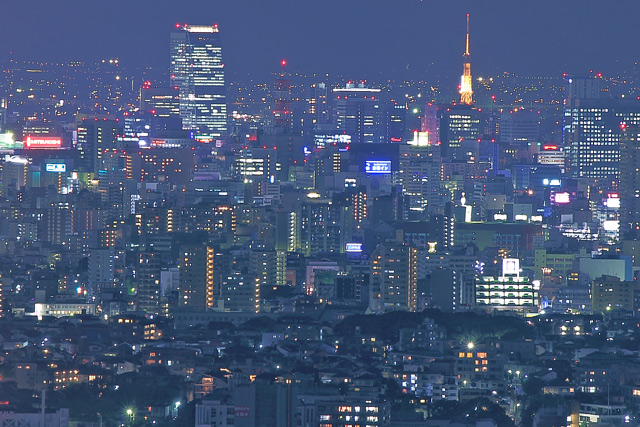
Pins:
x: 466, y: 91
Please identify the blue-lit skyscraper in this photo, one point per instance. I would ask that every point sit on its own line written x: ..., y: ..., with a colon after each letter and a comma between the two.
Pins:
x: 198, y: 73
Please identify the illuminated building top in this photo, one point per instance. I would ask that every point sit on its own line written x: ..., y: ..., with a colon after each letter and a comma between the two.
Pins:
x: 199, y: 28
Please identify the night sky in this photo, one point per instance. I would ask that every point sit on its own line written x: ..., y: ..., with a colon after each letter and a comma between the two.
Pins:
x: 372, y: 38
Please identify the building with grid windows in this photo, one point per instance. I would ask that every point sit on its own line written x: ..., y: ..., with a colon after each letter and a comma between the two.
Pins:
x: 394, y: 278
x: 510, y: 291
x: 592, y: 130
x: 197, y: 72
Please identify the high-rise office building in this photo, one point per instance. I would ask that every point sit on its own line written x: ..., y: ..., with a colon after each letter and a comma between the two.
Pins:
x: 196, y: 289
x: 630, y: 181
x: 395, y: 122
x: 148, y: 282
x: 198, y: 73
x: 318, y: 105
x: 592, y: 129
x: 13, y: 174
x: 460, y: 123
x: 159, y: 101
x: 466, y: 89
x: 360, y: 205
x: 394, y: 278
x: 97, y: 135
x: 112, y: 184
x: 101, y: 270
x: 445, y: 289
x: 256, y: 164
x: 282, y: 112
x: 583, y: 87
x: 519, y: 128
x: 488, y: 151
x: 56, y: 223
x: 430, y: 122
x: 551, y: 155
x: 263, y: 266
x: 5, y: 288
x: 447, y: 224
x: 3, y: 113
x: 239, y: 292
x: 592, y: 133
x: 170, y: 165
x: 359, y: 113
x: 321, y: 226
x: 420, y: 175
x: 268, y: 266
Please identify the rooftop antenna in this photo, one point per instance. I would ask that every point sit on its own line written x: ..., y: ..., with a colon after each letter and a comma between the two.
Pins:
x: 466, y: 53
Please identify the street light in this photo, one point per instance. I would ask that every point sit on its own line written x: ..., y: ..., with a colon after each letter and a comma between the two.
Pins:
x: 130, y: 414
x: 470, y: 345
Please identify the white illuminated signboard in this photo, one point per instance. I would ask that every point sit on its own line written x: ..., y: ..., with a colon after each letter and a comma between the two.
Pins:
x: 511, y: 266
x: 354, y: 247
x: 55, y: 167
x: 561, y: 198
x: 613, y: 200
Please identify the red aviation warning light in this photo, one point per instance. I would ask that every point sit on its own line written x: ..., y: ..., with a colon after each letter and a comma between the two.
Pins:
x: 282, y: 111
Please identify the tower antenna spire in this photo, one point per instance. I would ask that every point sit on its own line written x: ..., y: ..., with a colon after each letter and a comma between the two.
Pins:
x: 466, y: 53
x: 466, y: 85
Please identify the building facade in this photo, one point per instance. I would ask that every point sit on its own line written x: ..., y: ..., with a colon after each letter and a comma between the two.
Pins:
x: 394, y: 278
x: 198, y: 73
x: 196, y: 289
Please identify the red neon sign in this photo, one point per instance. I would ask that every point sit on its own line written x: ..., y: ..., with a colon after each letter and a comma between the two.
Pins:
x: 43, y: 142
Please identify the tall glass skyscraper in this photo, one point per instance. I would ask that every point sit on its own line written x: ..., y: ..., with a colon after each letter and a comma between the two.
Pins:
x: 198, y: 73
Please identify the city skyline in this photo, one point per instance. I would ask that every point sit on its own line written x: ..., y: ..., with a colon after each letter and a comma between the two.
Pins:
x: 415, y: 39
x: 319, y: 214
